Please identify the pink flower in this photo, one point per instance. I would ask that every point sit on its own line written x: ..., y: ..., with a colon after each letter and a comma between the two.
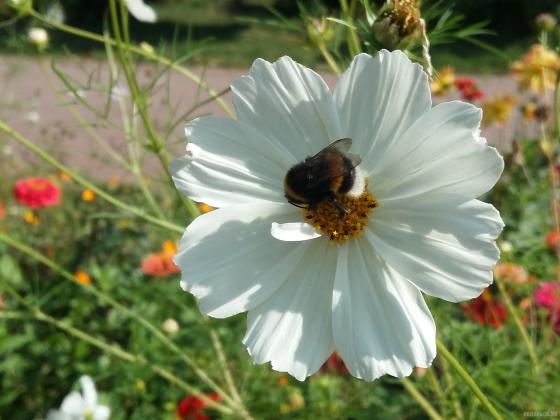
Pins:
x: 547, y: 295
x: 37, y: 193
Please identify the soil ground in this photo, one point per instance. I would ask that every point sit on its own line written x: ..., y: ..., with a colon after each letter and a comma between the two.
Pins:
x: 35, y: 102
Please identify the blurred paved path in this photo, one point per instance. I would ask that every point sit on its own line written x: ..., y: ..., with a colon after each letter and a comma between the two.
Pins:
x: 36, y: 103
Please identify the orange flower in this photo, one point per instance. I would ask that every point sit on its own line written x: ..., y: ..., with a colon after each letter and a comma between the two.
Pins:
x: 82, y: 277
x: 88, y: 195
x: 63, y: 176
x: 498, y: 109
x: 37, y: 193
x: 553, y: 240
x: 511, y: 273
x: 160, y: 264
x: 283, y: 380
x: 2, y: 211
x: 537, y: 69
x: 444, y: 81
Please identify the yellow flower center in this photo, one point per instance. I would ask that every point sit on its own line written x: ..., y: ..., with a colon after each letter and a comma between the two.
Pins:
x: 340, y: 227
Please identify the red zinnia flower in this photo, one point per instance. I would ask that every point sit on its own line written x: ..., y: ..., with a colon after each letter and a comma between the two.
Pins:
x: 37, y: 193
x: 190, y: 407
x: 335, y: 364
x: 468, y: 89
x: 486, y: 310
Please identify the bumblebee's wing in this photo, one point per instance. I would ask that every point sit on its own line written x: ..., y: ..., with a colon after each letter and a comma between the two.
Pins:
x: 332, y: 153
x: 340, y: 146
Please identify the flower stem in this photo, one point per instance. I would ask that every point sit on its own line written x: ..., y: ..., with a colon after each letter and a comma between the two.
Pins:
x: 121, y: 308
x: 118, y: 352
x: 87, y: 184
x: 328, y: 58
x: 353, y: 41
x: 467, y: 379
x: 522, y: 330
x: 420, y: 399
x: 140, y: 99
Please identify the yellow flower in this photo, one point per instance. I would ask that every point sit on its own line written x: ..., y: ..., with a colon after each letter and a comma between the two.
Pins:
x: 169, y: 247
x: 140, y: 385
x: 30, y: 218
x: 537, y: 69
x: 88, y: 195
x: 444, y: 81
x: 82, y: 277
x: 498, y: 109
x: 205, y: 208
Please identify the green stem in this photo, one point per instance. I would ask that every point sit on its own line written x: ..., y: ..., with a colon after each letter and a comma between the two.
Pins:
x: 467, y: 379
x: 87, y: 184
x: 329, y: 58
x: 140, y: 100
x: 123, y: 309
x: 519, y: 325
x: 436, y: 386
x: 118, y: 352
x: 424, y: 403
x: 353, y: 42
x: 137, y: 50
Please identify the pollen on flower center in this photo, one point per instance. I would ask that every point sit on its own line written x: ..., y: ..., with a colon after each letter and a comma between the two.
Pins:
x: 341, y: 227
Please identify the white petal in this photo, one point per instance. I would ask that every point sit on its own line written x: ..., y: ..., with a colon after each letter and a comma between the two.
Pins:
x: 229, y: 163
x: 292, y: 329
x: 442, y: 154
x: 88, y: 391
x: 141, y: 11
x: 293, y: 231
x: 101, y: 412
x: 73, y: 404
x: 58, y: 415
x: 287, y: 103
x: 381, y: 323
x: 378, y: 98
x: 448, y: 253
x: 230, y: 261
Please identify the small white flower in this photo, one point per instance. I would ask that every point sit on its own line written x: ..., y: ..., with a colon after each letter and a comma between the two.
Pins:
x: 350, y: 282
x: 83, y: 406
x: 33, y: 117
x: 141, y: 11
x: 170, y: 326
x: 39, y: 38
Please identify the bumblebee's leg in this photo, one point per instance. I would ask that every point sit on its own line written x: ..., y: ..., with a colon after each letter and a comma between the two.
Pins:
x: 295, y: 203
x: 343, y: 210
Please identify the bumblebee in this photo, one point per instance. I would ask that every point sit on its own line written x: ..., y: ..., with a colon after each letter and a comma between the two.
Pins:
x: 323, y: 177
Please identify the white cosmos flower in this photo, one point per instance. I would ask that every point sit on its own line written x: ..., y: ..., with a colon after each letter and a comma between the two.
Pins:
x: 141, y: 11
x: 305, y: 295
x: 76, y: 406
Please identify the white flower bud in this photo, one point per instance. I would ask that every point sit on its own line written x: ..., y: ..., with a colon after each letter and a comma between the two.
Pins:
x: 170, y: 326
